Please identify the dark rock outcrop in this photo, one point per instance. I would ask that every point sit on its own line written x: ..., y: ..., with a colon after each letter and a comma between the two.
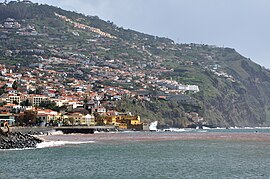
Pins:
x: 18, y: 140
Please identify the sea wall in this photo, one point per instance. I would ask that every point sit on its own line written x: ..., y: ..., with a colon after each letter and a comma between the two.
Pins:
x: 32, y: 130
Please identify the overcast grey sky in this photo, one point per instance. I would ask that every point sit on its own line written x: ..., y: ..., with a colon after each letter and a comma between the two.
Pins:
x: 240, y: 24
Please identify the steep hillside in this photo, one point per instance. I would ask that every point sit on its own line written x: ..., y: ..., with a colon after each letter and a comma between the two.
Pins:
x: 234, y: 91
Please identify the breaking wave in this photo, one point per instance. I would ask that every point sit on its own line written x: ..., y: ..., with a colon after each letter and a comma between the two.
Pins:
x: 48, y: 144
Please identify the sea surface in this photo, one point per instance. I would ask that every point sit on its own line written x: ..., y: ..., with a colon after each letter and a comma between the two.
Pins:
x: 190, y: 154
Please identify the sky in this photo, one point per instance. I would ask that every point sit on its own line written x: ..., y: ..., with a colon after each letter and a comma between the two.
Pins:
x: 239, y: 24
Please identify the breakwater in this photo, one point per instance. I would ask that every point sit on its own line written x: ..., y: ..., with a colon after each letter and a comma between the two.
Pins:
x: 18, y: 140
x: 85, y: 129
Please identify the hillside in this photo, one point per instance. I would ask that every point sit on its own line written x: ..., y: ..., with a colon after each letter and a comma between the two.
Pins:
x: 156, y: 72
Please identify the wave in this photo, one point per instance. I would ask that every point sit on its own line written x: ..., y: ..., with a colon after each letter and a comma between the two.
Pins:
x: 16, y: 149
x: 56, y: 133
x: 129, y: 132
x: 48, y: 144
x: 242, y: 128
x: 202, y: 131
x: 52, y: 132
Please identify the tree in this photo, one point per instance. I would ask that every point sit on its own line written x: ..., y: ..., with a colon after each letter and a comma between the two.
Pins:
x: 3, y: 89
x: 71, y: 121
x: 39, y: 90
x: 15, y: 102
x: 49, y: 105
x: 28, y: 118
x: 15, y: 85
x: 3, y: 103
x: 85, y: 102
x: 99, y: 119
x: 26, y: 103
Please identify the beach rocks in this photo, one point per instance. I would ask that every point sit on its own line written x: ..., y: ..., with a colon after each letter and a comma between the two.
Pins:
x: 18, y: 140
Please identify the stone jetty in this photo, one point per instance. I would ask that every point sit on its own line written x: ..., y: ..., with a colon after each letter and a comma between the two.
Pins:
x: 17, y: 140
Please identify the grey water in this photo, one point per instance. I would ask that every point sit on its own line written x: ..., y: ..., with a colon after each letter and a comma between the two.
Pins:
x: 144, y: 159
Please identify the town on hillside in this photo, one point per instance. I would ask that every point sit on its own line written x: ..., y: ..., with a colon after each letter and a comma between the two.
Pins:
x: 48, y: 98
x: 68, y: 88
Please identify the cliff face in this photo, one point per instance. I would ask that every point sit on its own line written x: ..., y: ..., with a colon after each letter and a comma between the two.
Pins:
x: 244, y: 101
x: 234, y: 91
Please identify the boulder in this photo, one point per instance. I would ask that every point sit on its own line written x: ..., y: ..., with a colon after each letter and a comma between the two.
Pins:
x: 18, y: 140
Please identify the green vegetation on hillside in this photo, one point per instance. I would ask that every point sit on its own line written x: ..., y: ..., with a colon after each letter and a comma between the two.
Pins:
x: 234, y: 91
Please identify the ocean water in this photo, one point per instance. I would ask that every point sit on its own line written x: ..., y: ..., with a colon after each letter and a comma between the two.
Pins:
x: 141, y: 159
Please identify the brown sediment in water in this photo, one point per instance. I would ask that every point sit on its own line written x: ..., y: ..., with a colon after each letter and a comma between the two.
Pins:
x: 141, y: 136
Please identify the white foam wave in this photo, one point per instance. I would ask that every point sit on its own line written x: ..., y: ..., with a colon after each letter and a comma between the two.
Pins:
x: 17, y: 149
x: 52, y: 132
x: 56, y: 133
x: 202, y: 131
x: 129, y: 131
x: 48, y: 144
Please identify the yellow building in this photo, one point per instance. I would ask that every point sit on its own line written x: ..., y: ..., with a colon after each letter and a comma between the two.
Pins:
x: 79, y: 119
x: 47, y: 115
x: 122, y: 121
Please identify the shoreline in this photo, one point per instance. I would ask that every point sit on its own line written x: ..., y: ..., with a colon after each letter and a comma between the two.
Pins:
x: 58, y: 139
x: 157, y: 136
x: 111, y: 138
